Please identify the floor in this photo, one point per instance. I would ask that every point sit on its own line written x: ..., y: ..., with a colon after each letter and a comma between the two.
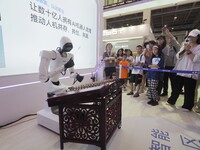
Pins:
x: 144, y: 127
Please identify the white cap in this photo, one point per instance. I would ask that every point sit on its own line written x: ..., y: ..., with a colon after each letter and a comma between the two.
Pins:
x: 155, y: 46
x: 194, y: 33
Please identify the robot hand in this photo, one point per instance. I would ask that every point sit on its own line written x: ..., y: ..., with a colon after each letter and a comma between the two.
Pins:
x: 69, y: 64
x: 77, y: 77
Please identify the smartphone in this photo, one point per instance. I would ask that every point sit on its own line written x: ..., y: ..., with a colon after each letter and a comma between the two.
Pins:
x: 186, y: 41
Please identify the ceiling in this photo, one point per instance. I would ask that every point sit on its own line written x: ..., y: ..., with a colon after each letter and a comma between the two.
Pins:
x: 188, y: 18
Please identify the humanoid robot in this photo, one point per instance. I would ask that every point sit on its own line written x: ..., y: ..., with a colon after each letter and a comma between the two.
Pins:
x: 54, y: 64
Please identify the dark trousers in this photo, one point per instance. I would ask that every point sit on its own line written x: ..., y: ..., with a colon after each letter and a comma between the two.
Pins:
x: 189, y: 85
x: 167, y: 76
x: 109, y: 71
x: 159, y: 88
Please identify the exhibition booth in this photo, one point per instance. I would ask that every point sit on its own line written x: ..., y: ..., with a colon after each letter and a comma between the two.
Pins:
x: 44, y: 23
x: 91, y: 110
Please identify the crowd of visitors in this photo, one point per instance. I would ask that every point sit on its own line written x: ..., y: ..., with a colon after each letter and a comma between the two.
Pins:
x: 166, y: 60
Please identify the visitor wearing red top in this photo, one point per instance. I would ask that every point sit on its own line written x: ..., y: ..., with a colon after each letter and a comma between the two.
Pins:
x: 124, y: 71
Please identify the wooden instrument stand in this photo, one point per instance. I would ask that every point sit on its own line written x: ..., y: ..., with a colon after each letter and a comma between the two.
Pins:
x: 90, y: 115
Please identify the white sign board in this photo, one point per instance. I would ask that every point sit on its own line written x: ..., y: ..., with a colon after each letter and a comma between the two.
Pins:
x: 131, y: 32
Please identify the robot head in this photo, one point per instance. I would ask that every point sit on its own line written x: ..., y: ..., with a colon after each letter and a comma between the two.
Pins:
x: 65, y: 44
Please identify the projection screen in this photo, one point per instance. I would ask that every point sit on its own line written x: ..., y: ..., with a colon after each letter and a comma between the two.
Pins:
x: 29, y: 26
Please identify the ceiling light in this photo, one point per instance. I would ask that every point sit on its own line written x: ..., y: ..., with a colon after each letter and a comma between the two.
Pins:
x: 175, y: 18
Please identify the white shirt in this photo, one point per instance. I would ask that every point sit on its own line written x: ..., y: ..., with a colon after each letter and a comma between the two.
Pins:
x: 185, y: 63
x: 155, y: 60
x: 136, y: 59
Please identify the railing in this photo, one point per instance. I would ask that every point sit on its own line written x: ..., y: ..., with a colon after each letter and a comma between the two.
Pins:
x: 114, y: 3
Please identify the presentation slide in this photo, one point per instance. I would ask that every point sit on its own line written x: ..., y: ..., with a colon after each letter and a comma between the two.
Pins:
x: 29, y: 26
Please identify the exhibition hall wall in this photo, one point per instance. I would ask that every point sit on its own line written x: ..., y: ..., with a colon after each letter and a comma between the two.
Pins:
x: 26, y: 28
x: 127, y: 37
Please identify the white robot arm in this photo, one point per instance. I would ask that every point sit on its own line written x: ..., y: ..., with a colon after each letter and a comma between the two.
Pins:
x: 46, y: 57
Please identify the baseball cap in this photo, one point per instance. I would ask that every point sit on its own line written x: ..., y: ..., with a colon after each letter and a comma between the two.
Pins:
x: 194, y: 33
